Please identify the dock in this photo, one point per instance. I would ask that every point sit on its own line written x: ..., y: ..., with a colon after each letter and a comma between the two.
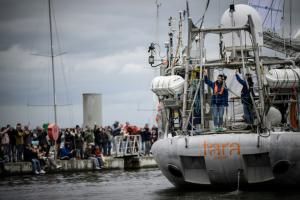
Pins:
x: 110, y: 163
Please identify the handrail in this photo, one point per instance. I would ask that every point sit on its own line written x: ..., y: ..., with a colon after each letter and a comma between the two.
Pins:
x: 128, y: 145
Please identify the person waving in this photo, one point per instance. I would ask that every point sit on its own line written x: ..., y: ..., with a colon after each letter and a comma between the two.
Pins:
x: 219, y: 99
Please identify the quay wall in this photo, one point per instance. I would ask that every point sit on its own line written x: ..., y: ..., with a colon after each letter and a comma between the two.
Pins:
x: 139, y: 162
x: 19, y: 168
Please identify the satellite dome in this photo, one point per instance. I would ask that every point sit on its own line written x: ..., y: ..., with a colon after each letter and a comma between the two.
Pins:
x: 238, y: 18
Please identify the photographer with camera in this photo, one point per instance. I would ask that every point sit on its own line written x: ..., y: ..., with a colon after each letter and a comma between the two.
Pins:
x: 219, y: 99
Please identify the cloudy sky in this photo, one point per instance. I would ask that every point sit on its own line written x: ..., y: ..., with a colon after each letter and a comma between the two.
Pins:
x: 105, y: 51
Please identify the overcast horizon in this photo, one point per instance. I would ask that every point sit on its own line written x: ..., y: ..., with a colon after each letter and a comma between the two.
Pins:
x: 104, y: 45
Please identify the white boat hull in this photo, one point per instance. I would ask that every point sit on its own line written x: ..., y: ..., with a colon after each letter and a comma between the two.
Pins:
x: 223, y: 160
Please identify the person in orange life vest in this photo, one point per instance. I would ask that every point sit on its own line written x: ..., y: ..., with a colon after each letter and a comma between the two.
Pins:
x: 219, y: 99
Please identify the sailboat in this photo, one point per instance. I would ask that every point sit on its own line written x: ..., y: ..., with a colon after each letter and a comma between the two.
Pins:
x: 190, y: 151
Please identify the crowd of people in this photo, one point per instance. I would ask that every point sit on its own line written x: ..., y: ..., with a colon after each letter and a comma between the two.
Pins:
x: 23, y: 144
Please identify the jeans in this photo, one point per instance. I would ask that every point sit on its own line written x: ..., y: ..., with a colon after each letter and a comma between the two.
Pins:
x: 79, y: 153
x: 248, y: 114
x: 100, y: 161
x: 12, y: 153
x: 97, y: 161
x: 108, y: 148
x: 218, y: 112
x: 143, y: 146
x: 147, y: 147
x: 5, y: 150
x: 104, y: 148
x: 36, y: 166
x: 20, y: 150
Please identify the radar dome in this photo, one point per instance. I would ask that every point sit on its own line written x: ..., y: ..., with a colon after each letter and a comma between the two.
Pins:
x: 238, y: 18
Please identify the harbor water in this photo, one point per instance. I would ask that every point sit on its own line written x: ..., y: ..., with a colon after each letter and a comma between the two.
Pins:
x: 119, y: 185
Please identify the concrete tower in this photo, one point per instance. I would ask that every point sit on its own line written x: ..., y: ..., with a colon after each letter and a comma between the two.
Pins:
x: 92, y: 109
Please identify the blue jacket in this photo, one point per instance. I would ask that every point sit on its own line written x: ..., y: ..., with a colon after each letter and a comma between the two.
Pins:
x: 245, y: 93
x: 217, y: 99
x: 65, y: 152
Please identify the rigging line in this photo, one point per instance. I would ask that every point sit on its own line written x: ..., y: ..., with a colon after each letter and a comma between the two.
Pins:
x: 276, y: 16
x: 57, y: 37
x: 29, y: 77
x: 271, y: 7
x: 202, y: 18
x: 48, y: 83
x: 282, y: 22
x: 291, y: 22
x: 272, y: 18
x: 52, y: 62
x: 159, y: 51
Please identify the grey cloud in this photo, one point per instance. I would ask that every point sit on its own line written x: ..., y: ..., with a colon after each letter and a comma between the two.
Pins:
x: 106, y: 43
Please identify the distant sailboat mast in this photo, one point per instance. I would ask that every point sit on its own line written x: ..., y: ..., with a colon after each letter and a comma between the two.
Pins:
x: 52, y: 64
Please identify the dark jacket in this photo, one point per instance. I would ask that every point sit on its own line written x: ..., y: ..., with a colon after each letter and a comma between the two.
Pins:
x: 116, y: 131
x: 12, y: 137
x: 245, y: 93
x: 97, y: 133
x: 70, y: 139
x: 78, y: 141
x: 145, y: 135
x: 42, y: 136
x: 217, y: 99
x: 103, y: 137
x: 29, y: 154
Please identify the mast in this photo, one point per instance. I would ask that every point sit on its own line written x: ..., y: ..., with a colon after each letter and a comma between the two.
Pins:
x: 52, y: 63
x: 186, y: 76
x: 171, y: 56
x: 259, y: 73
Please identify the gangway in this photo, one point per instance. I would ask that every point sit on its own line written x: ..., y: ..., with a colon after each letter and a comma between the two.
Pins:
x: 126, y: 146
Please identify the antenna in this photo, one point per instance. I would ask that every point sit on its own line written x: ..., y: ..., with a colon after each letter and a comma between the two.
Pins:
x: 155, y: 102
x: 187, y: 9
x: 158, y: 5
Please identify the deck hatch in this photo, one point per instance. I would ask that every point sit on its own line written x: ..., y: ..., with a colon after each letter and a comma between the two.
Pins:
x: 258, y: 167
x: 257, y: 160
x: 194, y: 169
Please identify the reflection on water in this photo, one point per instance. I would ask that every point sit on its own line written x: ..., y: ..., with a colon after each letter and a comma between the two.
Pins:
x: 142, y: 184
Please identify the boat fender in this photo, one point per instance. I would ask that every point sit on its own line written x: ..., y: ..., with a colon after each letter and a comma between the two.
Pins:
x: 274, y: 117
